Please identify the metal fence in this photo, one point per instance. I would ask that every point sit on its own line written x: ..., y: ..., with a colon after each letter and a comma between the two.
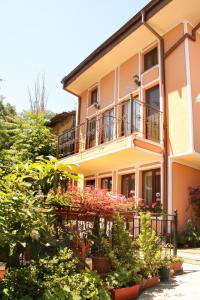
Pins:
x: 74, y: 221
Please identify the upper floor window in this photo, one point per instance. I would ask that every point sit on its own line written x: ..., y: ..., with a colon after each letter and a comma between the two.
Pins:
x: 150, y: 59
x: 91, y: 133
x: 130, y: 116
x: 153, y: 114
x: 108, y: 126
x: 94, y: 96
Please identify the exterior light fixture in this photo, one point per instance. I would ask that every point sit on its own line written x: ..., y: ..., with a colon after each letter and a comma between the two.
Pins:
x: 137, y: 80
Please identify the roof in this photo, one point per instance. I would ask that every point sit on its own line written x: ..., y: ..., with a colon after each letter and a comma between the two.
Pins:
x: 149, y: 10
x: 60, y: 117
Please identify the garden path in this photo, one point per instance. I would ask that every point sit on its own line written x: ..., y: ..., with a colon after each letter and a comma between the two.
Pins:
x: 185, y: 286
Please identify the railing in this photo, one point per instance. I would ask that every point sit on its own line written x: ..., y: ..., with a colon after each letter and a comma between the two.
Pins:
x: 73, y: 220
x: 124, y: 119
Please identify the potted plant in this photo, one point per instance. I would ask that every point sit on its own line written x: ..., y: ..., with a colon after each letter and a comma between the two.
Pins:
x: 164, y: 269
x: 150, y: 251
x: 176, y: 264
x: 123, y: 284
x: 2, y: 270
x: 101, y: 255
x: 125, y: 262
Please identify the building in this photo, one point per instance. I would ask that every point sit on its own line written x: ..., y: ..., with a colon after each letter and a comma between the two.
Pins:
x: 63, y: 126
x: 138, y: 120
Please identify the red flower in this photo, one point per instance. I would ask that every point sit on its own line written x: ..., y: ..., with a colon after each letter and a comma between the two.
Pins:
x: 72, y: 188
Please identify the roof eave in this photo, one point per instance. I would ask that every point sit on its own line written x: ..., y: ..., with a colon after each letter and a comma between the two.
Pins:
x: 135, y: 22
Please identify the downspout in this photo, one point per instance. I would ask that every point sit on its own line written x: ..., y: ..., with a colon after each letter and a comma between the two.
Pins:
x: 165, y: 128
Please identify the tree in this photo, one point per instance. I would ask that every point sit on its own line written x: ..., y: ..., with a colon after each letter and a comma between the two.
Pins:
x: 7, y: 133
x: 38, y: 96
x: 33, y: 138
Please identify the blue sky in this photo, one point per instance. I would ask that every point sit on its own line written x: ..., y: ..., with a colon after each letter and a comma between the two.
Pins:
x: 52, y: 37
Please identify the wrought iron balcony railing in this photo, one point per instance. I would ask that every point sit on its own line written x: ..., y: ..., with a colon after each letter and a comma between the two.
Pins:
x: 123, y: 120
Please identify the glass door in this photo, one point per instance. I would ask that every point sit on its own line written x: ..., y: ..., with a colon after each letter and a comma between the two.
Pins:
x: 153, y: 114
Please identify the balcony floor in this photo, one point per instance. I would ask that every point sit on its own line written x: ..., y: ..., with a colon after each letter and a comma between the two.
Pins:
x: 121, y: 153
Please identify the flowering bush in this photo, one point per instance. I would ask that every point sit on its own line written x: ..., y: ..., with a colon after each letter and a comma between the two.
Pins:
x: 92, y: 201
x: 155, y: 207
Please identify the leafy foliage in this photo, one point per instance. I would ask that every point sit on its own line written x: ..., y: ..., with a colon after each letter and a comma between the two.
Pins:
x: 7, y: 133
x: 149, y: 246
x: 58, y: 278
x: 32, y: 137
x: 22, y: 203
x: 126, y: 263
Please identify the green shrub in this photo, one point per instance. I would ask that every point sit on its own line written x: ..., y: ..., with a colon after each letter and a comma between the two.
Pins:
x: 57, y: 278
x: 149, y: 246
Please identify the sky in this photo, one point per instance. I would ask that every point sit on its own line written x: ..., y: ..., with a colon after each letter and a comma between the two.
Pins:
x: 52, y: 37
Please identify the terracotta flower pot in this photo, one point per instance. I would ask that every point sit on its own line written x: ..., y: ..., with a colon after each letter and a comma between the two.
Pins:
x: 101, y: 265
x: 2, y: 273
x: 171, y: 273
x: 150, y: 282
x: 126, y: 293
x: 176, y: 266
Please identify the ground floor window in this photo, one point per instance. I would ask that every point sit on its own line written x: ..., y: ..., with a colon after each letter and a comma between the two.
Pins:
x: 151, y: 185
x: 90, y: 183
x: 106, y: 183
x: 127, y: 184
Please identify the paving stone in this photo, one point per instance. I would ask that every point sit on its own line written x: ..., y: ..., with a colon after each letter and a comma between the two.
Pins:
x: 185, y: 286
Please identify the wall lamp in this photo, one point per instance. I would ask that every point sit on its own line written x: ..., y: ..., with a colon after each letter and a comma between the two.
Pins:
x: 137, y: 80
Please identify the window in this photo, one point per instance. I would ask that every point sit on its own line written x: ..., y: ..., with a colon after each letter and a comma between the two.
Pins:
x: 153, y: 114
x: 91, y: 133
x: 66, y: 143
x: 106, y: 183
x: 128, y: 184
x: 108, y: 126
x: 126, y: 118
x: 130, y: 116
x: 151, y: 185
x: 90, y: 183
x: 94, y: 96
x: 151, y: 59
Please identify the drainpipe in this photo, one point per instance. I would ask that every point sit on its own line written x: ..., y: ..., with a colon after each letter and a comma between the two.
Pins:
x: 163, y: 92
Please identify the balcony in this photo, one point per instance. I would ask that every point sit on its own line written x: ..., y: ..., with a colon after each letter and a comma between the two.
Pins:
x: 125, y: 119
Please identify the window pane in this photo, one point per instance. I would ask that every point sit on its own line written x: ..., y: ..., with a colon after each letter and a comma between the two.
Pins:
x: 108, y: 125
x: 153, y: 114
x: 91, y: 133
x: 106, y: 183
x: 151, y: 185
x: 126, y: 122
x: 135, y: 115
x: 148, y: 189
x: 94, y: 96
x: 151, y: 59
x: 90, y: 183
x: 128, y: 184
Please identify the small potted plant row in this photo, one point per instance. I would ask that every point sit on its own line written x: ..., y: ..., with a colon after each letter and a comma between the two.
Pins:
x: 176, y: 264
x: 129, y: 267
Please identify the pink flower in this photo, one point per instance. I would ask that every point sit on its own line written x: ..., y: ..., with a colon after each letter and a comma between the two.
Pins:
x: 132, y: 192
x: 157, y: 200
x: 154, y: 204
x: 121, y: 197
x: 72, y: 188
